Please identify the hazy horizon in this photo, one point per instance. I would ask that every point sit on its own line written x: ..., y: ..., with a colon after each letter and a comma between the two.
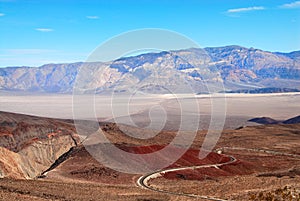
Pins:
x: 138, y: 53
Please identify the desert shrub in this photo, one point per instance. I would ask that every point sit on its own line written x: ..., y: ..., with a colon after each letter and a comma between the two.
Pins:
x: 281, y: 194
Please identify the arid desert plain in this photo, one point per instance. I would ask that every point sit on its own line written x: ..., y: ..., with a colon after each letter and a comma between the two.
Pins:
x: 250, y: 161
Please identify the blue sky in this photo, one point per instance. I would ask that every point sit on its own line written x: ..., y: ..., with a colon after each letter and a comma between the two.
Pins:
x: 35, y: 32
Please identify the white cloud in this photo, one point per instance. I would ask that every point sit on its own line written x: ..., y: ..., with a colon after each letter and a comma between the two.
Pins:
x: 239, y: 10
x: 2, y: 14
x: 92, y: 17
x: 44, y: 29
x: 295, y: 4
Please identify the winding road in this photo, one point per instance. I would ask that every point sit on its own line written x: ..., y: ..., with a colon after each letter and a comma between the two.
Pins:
x: 143, y: 180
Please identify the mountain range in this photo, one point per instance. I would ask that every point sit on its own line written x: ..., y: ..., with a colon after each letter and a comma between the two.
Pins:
x: 193, y: 70
x: 268, y: 120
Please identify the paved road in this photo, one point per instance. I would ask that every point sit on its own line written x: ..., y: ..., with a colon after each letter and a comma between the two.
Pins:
x: 143, y: 180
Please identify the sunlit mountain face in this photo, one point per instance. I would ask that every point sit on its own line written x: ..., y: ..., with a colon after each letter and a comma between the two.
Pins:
x: 224, y: 68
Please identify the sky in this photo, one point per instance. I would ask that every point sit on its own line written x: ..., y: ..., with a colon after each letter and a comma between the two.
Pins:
x: 35, y: 32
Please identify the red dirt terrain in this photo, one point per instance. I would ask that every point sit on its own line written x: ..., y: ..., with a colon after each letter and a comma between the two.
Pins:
x: 31, y: 146
x: 268, y: 158
x: 80, y: 165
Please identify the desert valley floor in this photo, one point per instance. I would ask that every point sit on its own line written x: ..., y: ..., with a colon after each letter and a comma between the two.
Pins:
x: 249, y: 162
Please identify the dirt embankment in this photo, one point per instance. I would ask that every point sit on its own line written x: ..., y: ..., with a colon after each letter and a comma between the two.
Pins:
x: 29, y: 145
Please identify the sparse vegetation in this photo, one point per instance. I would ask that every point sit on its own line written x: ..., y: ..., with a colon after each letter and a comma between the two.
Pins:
x: 281, y: 194
x: 81, y: 177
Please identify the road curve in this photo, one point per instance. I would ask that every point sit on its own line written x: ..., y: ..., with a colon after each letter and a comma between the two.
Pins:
x: 143, y: 180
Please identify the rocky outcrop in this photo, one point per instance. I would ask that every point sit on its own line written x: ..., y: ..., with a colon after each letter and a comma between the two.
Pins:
x: 43, y: 154
x: 30, y: 145
x: 10, y: 164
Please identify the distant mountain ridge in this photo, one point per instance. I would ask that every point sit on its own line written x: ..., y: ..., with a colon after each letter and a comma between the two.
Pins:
x: 268, y: 120
x: 234, y: 67
x: 264, y: 90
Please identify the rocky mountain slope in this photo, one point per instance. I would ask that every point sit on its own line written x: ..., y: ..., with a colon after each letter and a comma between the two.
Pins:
x: 29, y: 145
x: 197, y: 70
x: 264, y: 90
x: 268, y: 120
